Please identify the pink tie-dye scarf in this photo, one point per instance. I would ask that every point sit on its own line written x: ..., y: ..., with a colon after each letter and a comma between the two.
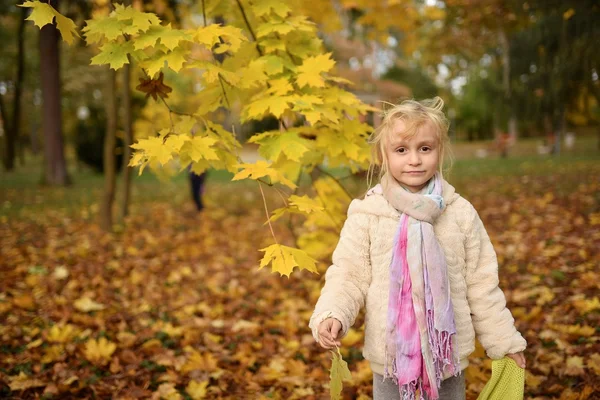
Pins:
x: 420, y: 321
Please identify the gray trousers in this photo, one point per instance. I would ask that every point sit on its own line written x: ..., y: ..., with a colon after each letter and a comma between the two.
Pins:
x: 452, y: 388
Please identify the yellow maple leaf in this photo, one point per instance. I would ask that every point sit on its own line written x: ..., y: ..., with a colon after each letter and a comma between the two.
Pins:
x: 284, y: 259
x: 276, y: 105
x: 264, y: 7
x: 593, y: 362
x: 309, y: 73
x: 259, y: 170
x: 153, y: 149
x: 575, y: 366
x: 114, y: 54
x: 86, y: 304
x: 43, y: 14
x: 197, y: 390
x: 60, y: 272
x: 99, y: 351
x: 173, y: 59
x: 305, y: 204
x: 140, y: 21
x: 199, y: 148
x: 23, y: 382
x: 223, y: 38
x: 287, y: 143
x: 197, y: 361
x: 575, y: 330
x: 52, y: 353
x: 339, y: 372
x: 109, y: 28
x: 60, y: 333
x: 587, y: 305
x: 166, y: 391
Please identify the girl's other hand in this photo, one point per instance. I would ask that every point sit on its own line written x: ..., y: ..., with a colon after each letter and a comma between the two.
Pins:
x: 519, y: 359
x: 328, y: 333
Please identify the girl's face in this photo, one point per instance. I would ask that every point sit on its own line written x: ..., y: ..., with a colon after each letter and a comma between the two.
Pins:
x: 412, y: 162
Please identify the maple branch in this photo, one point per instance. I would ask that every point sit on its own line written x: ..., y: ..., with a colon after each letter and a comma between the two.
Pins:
x: 336, y: 181
x: 170, y: 113
x: 224, y: 92
x: 249, y: 27
x: 267, y: 212
x: 204, y: 13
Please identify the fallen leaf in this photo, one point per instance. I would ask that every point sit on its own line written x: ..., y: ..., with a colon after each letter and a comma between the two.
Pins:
x: 86, y: 304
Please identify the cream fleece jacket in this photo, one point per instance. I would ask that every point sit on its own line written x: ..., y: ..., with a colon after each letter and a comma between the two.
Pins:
x: 359, y: 277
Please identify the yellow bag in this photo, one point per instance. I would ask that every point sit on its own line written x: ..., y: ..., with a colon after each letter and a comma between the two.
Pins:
x: 507, y: 381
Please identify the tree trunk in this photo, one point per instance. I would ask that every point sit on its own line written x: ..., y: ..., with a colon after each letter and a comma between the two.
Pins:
x: 512, y: 119
x: 109, y: 152
x: 123, y: 209
x: 4, y: 128
x: 56, y: 167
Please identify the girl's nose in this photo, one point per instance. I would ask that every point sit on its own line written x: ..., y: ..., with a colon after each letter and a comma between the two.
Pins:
x: 414, y: 159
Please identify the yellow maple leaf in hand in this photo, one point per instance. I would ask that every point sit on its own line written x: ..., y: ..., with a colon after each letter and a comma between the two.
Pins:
x: 99, y: 351
x: 43, y: 14
x: 309, y: 73
x: 339, y: 372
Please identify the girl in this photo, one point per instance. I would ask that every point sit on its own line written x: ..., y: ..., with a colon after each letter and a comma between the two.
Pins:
x: 417, y: 254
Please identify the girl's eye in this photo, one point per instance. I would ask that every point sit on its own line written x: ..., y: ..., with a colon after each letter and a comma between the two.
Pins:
x: 401, y: 150
x: 426, y: 148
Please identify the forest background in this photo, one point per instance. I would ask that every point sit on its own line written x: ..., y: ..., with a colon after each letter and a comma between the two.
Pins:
x: 113, y: 284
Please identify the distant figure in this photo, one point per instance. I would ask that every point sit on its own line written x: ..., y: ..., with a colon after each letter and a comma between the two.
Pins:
x: 503, y: 142
x: 569, y: 140
x: 197, y: 185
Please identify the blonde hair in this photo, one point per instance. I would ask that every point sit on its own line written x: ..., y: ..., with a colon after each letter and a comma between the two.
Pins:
x: 414, y: 114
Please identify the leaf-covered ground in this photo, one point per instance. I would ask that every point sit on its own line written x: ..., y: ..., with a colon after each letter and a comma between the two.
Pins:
x: 175, y: 307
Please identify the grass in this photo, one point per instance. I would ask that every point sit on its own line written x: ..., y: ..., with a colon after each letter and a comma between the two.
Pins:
x: 21, y: 192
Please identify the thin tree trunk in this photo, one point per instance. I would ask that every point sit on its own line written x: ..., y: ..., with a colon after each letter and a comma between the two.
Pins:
x: 109, y: 152
x: 56, y: 167
x: 12, y: 129
x: 4, y: 128
x: 123, y: 209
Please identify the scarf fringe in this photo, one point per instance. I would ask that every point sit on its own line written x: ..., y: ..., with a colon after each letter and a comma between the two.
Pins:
x: 440, y: 343
x: 409, y: 391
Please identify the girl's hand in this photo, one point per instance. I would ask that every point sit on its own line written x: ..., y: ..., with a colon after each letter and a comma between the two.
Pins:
x: 519, y: 359
x: 328, y: 332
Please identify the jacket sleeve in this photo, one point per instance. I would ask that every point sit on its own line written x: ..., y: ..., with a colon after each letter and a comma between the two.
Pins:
x: 348, y: 278
x: 493, y: 322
